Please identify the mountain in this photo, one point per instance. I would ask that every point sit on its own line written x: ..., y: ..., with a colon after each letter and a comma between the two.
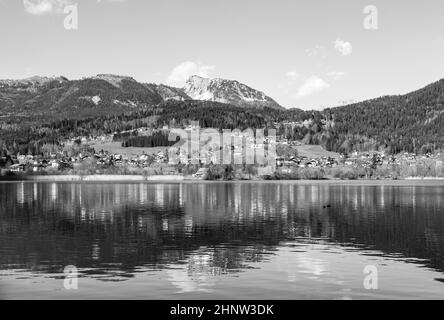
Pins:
x: 36, y: 110
x: 60, y: 97
x: 411, y: 122
x: 107, y: 94
x: 170, y: 93
x: 227, y: 91
x: 30, y: 83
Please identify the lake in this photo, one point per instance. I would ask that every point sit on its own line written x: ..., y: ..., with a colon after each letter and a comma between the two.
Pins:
x: 222, y: 240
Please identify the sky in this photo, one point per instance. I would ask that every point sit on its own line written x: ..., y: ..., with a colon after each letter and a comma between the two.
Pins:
x: 309, y: 54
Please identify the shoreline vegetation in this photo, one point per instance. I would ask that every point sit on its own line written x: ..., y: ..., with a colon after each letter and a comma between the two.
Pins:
x: 158, y: 167
x: 408, y: 182
x: 226, y: 173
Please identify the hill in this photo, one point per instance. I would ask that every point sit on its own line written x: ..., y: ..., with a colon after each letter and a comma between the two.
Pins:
x: 412, y: 122
x: 40, y: 110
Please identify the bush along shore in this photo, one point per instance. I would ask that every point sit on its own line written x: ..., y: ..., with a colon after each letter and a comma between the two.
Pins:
x: 232, y: 173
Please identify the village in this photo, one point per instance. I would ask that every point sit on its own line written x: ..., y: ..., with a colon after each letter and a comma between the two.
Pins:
x: 85, y: 156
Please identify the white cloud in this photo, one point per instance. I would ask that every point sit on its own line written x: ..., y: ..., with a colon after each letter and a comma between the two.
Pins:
x: 292, y: 75
x: 39, y: 7
x: 344, y: 47
x: 336, y: 75
x: 291, y: 79
x: 185, y: 70
x: 312, y: 85
x: 314, y: 51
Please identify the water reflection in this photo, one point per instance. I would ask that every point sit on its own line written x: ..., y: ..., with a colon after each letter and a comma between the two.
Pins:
x: 198, y: 232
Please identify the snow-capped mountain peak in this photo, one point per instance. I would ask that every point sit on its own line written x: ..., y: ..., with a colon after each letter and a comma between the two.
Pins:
x: 227, y: 91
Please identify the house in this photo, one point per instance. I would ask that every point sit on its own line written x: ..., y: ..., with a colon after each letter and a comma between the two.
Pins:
x: 54, y: 164
x: 17, y: 168
x: 169, y: 170
x: 144, y: 157
x: 280, y: 161
x: 160, y: 157
x: 37, y: 167
x: 21, y: 159
x: 201, y: 174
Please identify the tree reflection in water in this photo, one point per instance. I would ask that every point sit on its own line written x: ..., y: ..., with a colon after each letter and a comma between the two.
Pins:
x: 205, y: 230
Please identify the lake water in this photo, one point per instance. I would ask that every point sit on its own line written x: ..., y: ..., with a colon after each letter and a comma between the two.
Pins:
x: 222, y: 240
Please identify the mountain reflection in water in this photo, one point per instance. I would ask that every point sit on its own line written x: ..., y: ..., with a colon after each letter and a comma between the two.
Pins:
x: 197, y: 233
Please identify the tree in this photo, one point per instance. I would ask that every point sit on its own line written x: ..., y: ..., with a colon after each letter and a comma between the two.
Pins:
x: 228, y: 173
x: 286, y: 151
x: 251, y: 170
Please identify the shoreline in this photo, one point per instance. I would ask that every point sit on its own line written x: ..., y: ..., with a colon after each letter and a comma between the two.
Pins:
x: 186, y: 180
